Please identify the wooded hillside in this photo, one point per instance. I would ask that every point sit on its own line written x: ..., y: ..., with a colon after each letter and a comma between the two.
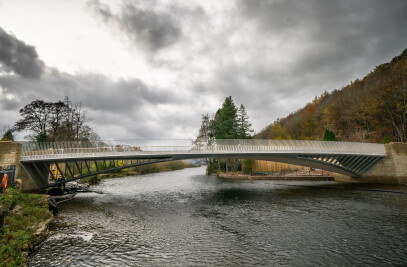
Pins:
x: 370, y: 110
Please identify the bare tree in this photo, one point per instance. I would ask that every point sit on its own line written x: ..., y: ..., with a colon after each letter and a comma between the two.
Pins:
x: 55, y: 121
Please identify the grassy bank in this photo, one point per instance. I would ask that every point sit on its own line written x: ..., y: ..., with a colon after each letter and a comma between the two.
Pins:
x: 145, y: 169
x: 26, y: 213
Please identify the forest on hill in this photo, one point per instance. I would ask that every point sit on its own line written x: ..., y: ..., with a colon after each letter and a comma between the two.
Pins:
x: 373, y: 109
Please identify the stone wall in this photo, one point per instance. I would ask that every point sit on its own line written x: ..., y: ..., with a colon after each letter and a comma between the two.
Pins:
x: 390, y: 170
x: 10, y: 153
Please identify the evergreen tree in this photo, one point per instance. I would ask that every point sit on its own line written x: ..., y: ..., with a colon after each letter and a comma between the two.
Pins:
x: 8, y: 136
x: 42, y: 137
x: 329, y: 136
x: 244, y: 126
x: 225, y: 123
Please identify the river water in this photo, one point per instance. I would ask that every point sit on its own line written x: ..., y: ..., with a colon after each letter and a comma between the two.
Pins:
x: 187, y: 218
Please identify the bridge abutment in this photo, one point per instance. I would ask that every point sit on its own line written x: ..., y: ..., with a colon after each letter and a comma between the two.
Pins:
x: 390, y: 170
x: 10, y: 153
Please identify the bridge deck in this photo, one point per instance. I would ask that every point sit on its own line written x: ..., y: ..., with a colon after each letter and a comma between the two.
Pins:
x: 60, y: 150
x: 348, y: 158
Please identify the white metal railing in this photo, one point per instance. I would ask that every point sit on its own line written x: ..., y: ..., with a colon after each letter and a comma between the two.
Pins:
x: 134, y: 147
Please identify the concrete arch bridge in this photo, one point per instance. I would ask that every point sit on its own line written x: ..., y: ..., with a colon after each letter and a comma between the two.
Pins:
x: 52, y: 164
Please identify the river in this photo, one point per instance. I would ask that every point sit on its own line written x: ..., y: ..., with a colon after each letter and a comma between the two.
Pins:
x: 187, y: 218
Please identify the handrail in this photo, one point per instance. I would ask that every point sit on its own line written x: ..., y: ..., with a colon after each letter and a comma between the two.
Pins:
x: 70, y: 149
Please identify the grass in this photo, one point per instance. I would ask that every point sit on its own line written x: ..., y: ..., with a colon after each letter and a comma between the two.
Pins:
x: 18, y: 235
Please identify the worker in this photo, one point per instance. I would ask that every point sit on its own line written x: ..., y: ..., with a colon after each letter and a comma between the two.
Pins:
x: 4, y: 182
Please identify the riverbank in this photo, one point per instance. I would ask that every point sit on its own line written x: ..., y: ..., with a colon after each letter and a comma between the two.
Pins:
x: 26, y: 222
x: 145, y: 169
x: 290, y: 176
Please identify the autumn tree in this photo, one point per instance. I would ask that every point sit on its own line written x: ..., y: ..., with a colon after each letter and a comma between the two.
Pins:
x: 308, y: 116
x: 394, y: 99
x: 372, y: 109
x: 278, y: 132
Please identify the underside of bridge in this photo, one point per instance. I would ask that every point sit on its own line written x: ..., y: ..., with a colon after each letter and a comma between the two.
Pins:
x: 54, y: 172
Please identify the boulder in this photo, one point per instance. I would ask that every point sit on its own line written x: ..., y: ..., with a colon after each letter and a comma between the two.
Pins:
x: 18, y: 184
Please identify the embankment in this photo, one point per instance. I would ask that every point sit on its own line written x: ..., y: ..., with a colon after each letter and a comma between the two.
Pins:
x: 287, y: 177
x: 26, y: 222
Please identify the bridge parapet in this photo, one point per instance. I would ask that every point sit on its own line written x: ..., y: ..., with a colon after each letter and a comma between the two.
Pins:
x: 33, y: 151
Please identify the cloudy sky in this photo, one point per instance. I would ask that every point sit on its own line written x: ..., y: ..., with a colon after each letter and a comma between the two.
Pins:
x: 149, y: 69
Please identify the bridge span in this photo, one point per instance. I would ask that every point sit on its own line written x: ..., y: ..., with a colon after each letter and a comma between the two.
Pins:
x: 77, y: 160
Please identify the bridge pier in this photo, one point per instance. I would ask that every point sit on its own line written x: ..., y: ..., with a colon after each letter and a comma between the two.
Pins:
x: 390, y: 170
x: 10, y: 153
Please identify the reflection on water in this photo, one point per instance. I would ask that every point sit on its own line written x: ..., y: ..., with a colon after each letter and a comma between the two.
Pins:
x: 187, y: 218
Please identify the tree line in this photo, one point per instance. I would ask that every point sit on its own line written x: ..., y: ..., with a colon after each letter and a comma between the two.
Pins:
x: 373, y: 109
x: 53, y: 121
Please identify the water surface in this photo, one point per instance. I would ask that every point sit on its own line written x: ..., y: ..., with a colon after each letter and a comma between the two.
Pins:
x: 187, y: 218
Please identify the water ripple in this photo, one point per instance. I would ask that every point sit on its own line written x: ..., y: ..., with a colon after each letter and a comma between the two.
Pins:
x: 186, y: 218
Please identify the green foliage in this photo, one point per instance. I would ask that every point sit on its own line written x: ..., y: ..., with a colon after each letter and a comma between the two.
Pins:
x: 163, y: 166
x: 42, y: 137
x: 386, y: 139
x: 213, y: 167
x: 225, y: 123
x: 8, y: 136
x: 329, y: 136
x: 247, y: 166
x: 244, y: 129
x: 18, y: 234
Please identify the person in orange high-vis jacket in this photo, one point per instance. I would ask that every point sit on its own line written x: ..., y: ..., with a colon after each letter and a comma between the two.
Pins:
x: 4, y: 182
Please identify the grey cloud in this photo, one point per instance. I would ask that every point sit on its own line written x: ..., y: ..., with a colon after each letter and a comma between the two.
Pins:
x: 156, y: 30
x: 271, y: 56
x: 129, y: 105
x: 320, y: 45
x: 19, y: 57
x: 150, y: 29
x: 102, y: 9
x: 333, y: 32
x: 95, y: 90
